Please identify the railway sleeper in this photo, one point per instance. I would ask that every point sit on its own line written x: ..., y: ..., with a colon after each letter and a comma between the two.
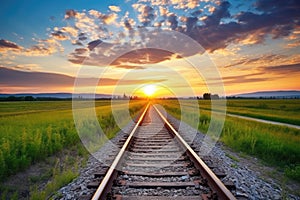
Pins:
x: 154, y: 147
x: 157, y: 159
x: 155, y: 174
x: 120, y: 197
x: 176, y: 185
x: 156, y: 165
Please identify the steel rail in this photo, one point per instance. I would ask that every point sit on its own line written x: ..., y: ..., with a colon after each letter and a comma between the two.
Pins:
x: 106, y: 183
x: 213, y: 181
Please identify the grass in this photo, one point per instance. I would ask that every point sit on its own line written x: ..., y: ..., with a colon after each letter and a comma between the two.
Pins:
x: 33, y: 131
x: 286, y: 111
x: 275, y: 145
x: 60, y: 177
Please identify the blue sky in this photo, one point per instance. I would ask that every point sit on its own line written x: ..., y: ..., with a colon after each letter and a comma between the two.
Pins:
x: 254, y: 45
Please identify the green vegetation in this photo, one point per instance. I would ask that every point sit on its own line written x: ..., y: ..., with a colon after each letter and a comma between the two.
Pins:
x: 32, y: 131
x: 275, y: 145
x: 60, y: 176
x: 278, y: 110
x: 286, y: 111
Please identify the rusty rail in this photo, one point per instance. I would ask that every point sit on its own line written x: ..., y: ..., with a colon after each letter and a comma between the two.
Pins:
x: 107, y: 181
x: 213, y: 181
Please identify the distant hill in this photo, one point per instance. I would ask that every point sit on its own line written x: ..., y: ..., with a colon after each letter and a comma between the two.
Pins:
x: 270, y: 94
x: 58, y: 95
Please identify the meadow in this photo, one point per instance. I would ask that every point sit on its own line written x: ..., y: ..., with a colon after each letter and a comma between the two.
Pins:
x: 32, y: 131
x: 275, y: 145
x: 286, y: 111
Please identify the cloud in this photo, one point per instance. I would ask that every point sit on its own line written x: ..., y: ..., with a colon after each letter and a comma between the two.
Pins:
x: 15, y: 78
x: 70, y: 14
x: 147, y: 14
x: 81, y: 50
x: 25, y: 67
x: 283, y: 70
x: 94, y: 44
x: 293, y: 44
x: 278, y: 20
x: 102, y: 53
x: 70, y: 31
x: 109, y: 18
x: 94, y: 54
x: 6, y: 45
x: 123, y: 66
x: 260, y: 60
x: 250, y: 78
x: 144, y: 56
x: 114, y: 8
x: 59, y: 35
x: 215, y: 26
x: 172, y: 19
x: 214, y: 30
x: 277, y: 71
x: 238, y: 79
x: 41, y: 48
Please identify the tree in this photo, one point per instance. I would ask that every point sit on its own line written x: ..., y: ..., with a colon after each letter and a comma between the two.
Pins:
x: 206, y: 96
x: 29, y: 98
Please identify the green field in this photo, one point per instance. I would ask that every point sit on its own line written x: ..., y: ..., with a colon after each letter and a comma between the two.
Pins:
x: 32, y: 131
x: 286, y: 111
x: 273, y: 144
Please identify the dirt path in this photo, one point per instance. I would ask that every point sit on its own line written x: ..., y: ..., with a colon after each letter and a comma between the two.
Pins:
x: 264, y: 121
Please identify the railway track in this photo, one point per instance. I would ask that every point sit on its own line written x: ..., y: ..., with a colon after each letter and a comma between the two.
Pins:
x: 155, y: 162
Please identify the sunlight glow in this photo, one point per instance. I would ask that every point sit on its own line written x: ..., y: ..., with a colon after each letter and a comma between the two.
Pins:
x: 149, y: 90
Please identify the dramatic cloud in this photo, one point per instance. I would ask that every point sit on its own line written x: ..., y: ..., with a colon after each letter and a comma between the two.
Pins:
x: 247, y: 27
x: 102, y: 54
x: 213, y: 26
x: 127, y: 60
x: 123, y: 41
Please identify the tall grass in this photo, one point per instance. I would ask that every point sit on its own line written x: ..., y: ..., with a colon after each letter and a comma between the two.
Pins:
x: 33, y: 136
x: 273, y: 144
x: 60, y: 177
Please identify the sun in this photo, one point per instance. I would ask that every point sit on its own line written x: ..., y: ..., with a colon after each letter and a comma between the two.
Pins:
x: 149, y: 90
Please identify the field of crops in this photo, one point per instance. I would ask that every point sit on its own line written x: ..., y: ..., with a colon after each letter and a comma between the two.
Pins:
x: 273, y: 144
x: 32, y: 131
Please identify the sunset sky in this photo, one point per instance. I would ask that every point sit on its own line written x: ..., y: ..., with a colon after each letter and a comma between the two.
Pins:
x: 123, y: 46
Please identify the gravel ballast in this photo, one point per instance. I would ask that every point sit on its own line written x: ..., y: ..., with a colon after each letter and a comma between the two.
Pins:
x: 247, y: 182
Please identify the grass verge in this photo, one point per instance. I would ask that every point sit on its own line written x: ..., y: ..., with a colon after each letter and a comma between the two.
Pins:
x: 32, y: 137
x: 273, y: 144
